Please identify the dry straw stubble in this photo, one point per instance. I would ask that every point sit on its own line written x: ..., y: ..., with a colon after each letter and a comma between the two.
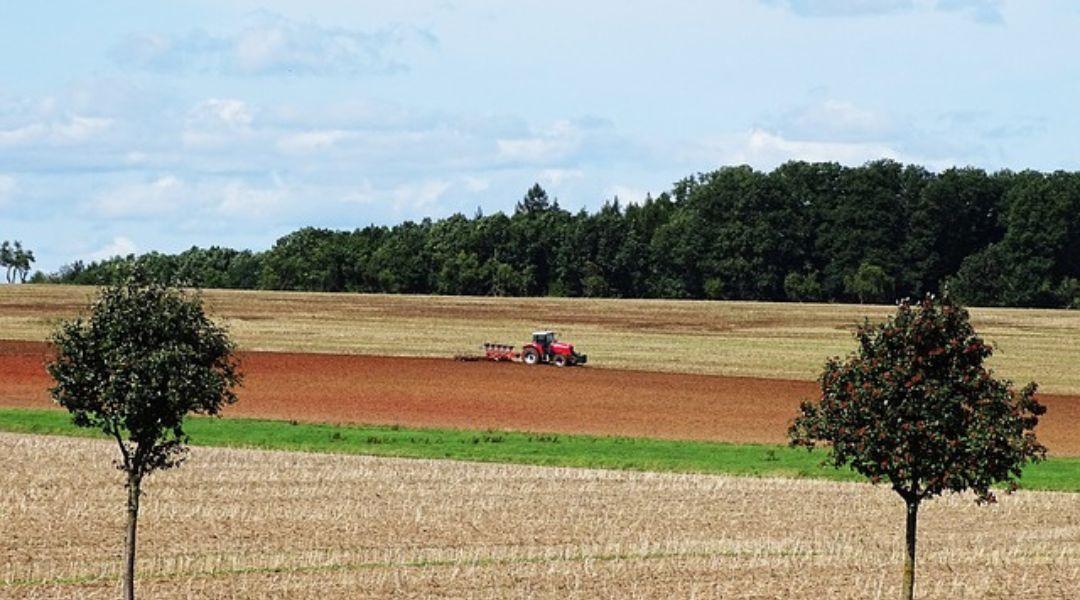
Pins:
x: 253, y: 524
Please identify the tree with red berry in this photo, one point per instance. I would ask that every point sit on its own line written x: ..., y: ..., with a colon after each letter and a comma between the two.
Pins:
x: 914, y: 406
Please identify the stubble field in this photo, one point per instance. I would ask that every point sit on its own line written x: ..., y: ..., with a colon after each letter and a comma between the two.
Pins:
x: 235, y: 523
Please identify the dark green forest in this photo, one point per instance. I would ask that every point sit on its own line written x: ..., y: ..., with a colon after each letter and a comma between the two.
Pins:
x: 802, y: 232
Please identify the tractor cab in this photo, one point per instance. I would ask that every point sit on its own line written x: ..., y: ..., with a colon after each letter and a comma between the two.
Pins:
x: 544, y: 340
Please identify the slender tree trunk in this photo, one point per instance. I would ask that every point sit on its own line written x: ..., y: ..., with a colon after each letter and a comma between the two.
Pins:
x: 134, y: 483
x: 909, y: 558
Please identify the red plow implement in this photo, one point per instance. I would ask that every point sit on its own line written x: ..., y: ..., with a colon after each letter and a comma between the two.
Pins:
x: 498, y: 352
x: 543, y: 349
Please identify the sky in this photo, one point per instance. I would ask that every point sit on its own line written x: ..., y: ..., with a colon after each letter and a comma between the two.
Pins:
x: 131, y: 126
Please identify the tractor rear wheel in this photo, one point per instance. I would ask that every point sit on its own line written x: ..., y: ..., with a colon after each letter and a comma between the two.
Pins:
x: 559, y: 360
x: 529, y: 356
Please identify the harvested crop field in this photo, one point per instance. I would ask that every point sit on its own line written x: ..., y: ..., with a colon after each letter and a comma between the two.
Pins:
x: 742, y: 339
x: 422, y: 392
x: 253, y: 524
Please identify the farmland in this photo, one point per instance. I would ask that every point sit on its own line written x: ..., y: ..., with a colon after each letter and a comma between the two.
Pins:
x: 747, y: 339
x: 426, y: 392
x: 338, y: 376
x: 256, y: 524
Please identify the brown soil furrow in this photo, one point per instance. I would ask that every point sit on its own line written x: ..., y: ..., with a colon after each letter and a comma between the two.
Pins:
x: 424, y: 392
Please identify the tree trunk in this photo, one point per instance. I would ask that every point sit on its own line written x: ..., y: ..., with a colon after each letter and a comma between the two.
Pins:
x: 909, y: 559
x: 134, y: 483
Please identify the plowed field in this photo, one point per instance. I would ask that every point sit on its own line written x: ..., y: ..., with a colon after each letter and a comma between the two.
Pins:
x: 443, y: 393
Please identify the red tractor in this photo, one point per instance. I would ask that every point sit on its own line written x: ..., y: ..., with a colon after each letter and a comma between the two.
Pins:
x: 544, y: 348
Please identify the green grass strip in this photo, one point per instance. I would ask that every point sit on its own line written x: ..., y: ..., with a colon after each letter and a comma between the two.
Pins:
x: 638, y: 454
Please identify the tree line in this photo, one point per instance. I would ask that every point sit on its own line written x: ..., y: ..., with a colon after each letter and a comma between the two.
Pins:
x: 15, y: 261
x: 801, y: 232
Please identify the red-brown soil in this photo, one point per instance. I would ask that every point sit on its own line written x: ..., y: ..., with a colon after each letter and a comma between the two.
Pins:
x: 428, y: 392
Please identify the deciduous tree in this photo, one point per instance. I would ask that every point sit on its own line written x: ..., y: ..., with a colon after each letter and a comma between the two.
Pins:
x: 870, y: 282
x: 16, y: 261
x: 145, y: 358
x: 915, y: 407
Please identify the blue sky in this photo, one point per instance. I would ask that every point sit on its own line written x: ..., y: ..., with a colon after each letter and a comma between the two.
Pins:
x: 137, y: 126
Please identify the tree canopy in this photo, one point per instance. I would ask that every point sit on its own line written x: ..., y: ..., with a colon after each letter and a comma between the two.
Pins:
x: 802, y: 232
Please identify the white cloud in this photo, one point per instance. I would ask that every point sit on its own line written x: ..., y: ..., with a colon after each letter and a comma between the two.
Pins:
x: 413, y: 196
x: 836, y: 120
x: 229, y: 112
x: 842, y: 8
x: 119, y: 246
x: 216, y: 121
x: 626, y: 194
x: 421, y: 196
x: 552, y: 144
x: 240, y: 200
x: 170, y: 196
x: 475, y: 184
x: 982, y: 11
x: 270, y: 44
x: 765, y: 150
x: 161, y: 196
x: 306, y: 142
x: 78, y: 128
x: 8, y: 187
x: 21, y: 135
x: 71, y: 129
x: 764, y: 145
x: 136, y: 158
x: 559, y: 176
x: 533, y: 149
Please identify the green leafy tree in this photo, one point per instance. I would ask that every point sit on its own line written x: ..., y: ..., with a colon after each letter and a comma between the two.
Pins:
x: 1069, y: 292
x: 535, y: 201
x: 957, y: 214
x: 983, y: 277
x: 865, y: 220
x: 594, y: 285
x: 16, y: 261
x: 915, y: 407
x: 505, y: 280
x: 803, y: 287
x: 7, y: 259
x: 145, y: 358
x: 870, y: 282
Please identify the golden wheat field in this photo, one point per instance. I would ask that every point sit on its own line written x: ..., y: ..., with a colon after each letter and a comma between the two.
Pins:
x: 758, y: 339
x: 250, y: 524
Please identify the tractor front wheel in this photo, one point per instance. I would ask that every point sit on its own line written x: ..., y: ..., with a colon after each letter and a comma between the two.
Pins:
x: 559, y: 360
x: 530, y: 357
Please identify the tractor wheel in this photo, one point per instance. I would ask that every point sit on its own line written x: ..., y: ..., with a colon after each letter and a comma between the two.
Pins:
x: 530, y: 357
x: 559, y: 360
